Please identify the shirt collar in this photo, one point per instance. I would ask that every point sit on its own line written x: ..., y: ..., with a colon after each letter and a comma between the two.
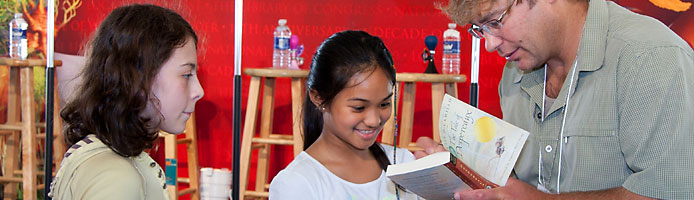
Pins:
x: 591, y: 51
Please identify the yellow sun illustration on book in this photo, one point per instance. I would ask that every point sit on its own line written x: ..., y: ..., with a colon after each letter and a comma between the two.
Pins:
x: 485, y: 129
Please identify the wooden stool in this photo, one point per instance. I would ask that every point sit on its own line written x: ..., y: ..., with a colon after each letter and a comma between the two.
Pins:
x: 266, y: 136
x: 22, y: 75
x: 191, y: 142
x: 439, y: 84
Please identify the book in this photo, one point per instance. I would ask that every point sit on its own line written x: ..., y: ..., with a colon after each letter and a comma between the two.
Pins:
x: 436, y: 176
x: 482, y: 150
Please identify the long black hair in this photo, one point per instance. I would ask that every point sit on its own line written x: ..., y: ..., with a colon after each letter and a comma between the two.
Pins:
x: 336, y: 61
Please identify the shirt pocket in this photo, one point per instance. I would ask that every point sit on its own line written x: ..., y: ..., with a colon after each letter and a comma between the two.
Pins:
x: 593, y: 159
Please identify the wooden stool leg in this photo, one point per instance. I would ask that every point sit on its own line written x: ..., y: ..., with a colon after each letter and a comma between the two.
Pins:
x: 193, y: 168
x: 452, y: 89
x: 389, y: 128
x: 29, y: 161
x: 171, y: 142
x: 436, y: 99
x: 11, y: 164
x: 408, y: 97
x: 248, y: 133
x: 170, y: 156
x: 297, y: 102
x: 59, y: 146
x: 265, y: 131
x: 13, y: 97
x: 13, y: 117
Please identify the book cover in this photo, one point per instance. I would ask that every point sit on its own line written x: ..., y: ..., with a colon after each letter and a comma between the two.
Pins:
x: 482, y: 150
x: 485, y: 143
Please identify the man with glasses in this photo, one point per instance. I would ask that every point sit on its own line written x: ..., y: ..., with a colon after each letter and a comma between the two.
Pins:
x: 607, y: 95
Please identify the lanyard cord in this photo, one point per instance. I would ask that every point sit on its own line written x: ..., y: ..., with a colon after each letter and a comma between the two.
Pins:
x: 395, y: 130
x: 563, y: 123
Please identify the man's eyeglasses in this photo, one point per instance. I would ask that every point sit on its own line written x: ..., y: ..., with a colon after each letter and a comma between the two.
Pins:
x: 491, y: 27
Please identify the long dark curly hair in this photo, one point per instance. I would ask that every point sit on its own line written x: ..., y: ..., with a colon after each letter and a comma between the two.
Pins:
x: 123, y: 58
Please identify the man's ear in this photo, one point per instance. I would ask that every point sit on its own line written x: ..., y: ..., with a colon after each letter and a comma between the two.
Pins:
x: 317, y: 100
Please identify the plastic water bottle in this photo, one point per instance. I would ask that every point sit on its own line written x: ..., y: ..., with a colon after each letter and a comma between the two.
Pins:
x: 451, y: 50
x: 18, y: 37
x: 281, y: 55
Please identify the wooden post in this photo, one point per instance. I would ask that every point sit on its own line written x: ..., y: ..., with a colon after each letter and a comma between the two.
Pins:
x: 29, y: 161
x: 297, y: 121
x: 265, y: 131
x: 408, y: 98
x: 170, y: 154
x: 248, y: 133
x: 436, y: 99
x: 192, y: 150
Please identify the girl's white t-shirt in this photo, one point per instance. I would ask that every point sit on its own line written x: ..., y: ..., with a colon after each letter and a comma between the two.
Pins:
x: 306, y: 178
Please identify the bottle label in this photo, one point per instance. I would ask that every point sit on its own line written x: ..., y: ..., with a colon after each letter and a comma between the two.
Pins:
x: 19, y: 33
x: 451, y: 47
x: 281, y: 43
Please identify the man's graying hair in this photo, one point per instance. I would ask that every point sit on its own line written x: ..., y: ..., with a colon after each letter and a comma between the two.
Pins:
x: 463, y: 11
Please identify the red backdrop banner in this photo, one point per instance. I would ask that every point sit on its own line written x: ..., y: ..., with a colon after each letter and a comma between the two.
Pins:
x: 402, y: 24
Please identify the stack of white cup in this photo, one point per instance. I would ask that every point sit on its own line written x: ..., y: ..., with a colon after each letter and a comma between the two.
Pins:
x: 215, y: 184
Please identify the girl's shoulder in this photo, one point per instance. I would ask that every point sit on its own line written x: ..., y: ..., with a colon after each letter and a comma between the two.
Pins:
x: 91, y: 163
x: 298, y: 179
x: 91, y: 152
x: 303, y: 165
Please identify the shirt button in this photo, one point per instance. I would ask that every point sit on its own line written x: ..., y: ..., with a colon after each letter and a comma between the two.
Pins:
x: 152, y: 164
x: 539, y: 115
x: 548, y: 148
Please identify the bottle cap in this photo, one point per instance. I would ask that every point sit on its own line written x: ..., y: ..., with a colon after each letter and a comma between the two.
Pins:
x: 282, y: 22
x: 17, y: 15
x: 451, y: 25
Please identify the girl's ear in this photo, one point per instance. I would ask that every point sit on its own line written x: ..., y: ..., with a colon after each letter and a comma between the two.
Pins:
x: 317, y: 100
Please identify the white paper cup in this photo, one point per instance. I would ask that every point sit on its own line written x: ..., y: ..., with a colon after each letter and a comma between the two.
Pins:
x: 215, y: 184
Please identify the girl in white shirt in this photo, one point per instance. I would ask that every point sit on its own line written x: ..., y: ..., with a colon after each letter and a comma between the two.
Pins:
x: 348, y: 100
